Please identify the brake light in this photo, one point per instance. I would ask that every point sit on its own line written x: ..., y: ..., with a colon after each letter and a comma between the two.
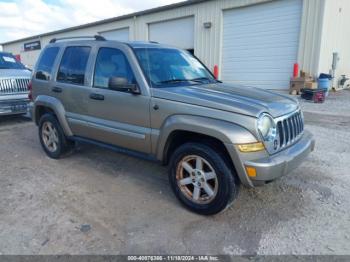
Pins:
x: 30, y: 89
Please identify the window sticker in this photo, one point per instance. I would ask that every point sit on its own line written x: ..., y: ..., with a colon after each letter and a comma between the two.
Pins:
x: 9, y: 59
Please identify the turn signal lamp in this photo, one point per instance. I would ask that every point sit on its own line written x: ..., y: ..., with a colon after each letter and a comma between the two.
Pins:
x: 253, y: 147
x: 251, y: 171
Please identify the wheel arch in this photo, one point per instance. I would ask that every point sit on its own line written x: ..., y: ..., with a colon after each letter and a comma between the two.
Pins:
x: 46, y: 104
x: 223, y: 134
x: 218, y: 130
x: 179, y: 137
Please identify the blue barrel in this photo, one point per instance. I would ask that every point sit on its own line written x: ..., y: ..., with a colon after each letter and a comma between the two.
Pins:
x: 324, y: 83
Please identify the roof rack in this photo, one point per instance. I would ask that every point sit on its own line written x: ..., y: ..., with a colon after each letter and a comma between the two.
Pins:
x: 96, y: 37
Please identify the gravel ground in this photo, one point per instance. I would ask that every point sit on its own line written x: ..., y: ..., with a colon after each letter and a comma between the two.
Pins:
x: 99, y: 202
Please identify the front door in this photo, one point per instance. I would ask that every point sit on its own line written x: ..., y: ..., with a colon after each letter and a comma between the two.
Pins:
x: 117, y: 117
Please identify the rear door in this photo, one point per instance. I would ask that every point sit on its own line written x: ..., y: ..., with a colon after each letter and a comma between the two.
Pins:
x: 72, y: 86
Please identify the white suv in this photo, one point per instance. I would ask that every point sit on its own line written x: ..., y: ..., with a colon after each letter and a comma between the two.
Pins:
x: 14, y: 80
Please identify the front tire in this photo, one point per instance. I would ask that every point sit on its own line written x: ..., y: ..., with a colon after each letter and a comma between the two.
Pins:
x: 201, y: 179
x: 52, y: 137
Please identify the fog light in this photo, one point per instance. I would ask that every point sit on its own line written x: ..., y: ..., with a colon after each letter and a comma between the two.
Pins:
x: 251, y: 171
x: 254, y: 147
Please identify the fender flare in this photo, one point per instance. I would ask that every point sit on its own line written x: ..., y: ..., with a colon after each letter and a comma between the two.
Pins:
x: 56, y: 106
x: 228, y: 133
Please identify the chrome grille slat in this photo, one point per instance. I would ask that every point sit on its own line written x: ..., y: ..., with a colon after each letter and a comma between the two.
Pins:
x: 9, y: 84
x: 19, y: 85
x: 294, y: 126
x: 280, y: 131
x: 13, y: 86
x: 24, y: 85
x: 6, y: 86
x: 289, y: 128
x: 286, y: 134
x: 297, y: 122
x: 300, y: 122
x: 285, y: 131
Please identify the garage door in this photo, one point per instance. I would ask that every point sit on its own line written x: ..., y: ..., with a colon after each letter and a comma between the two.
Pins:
x: 119, y: 34
x: 260, y: 44
x: 178, y: 32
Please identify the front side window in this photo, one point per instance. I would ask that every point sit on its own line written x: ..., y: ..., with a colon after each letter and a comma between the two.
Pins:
x: 8, y: 61
x: 172, y: 67
x: 73, y: 65
x: 46, y: 63
x: 110, y: 63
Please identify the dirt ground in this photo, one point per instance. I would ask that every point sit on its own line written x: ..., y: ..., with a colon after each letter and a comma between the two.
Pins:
x: 100, y: 202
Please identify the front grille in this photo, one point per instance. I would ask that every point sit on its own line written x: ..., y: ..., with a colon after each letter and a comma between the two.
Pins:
x: 290, y: 129
x: 13, y: 86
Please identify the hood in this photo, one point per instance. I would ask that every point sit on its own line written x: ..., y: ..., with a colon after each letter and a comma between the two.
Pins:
x: 233, y: 98
x: 15, y: 73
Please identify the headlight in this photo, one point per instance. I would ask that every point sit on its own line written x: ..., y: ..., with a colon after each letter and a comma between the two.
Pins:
x: 267, y: 127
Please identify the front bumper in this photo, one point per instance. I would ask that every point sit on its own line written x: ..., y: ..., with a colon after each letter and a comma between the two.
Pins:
x: 13, y: 107
x: 280, y: 164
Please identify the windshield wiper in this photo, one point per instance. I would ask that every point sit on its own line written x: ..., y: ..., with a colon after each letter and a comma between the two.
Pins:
x: 173, y: 81
x: 201, y: 79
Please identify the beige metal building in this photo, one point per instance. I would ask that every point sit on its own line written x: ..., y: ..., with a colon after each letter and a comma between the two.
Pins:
x: 253, y: 42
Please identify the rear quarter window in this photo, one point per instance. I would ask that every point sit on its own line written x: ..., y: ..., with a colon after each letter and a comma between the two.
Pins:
x: 46, y: 63
x: 73, y: 65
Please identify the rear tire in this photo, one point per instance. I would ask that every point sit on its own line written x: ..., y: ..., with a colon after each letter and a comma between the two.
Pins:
x: 52, y: 138
x: 201, y: 179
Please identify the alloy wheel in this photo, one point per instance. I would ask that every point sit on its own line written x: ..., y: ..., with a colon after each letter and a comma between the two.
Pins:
x: 49, y: 136
x: 197, y: 179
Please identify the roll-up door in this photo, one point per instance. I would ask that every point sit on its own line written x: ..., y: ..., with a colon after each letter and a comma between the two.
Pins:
x: 177, y: 32
x: 260, y: 44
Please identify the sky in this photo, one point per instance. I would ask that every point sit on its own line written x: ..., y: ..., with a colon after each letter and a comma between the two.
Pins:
x: 23, y: 18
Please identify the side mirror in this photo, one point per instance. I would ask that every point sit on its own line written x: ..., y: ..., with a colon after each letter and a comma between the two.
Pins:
x: 121, y: 84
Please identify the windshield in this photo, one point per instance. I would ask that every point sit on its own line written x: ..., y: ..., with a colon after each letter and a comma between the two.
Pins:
x: 172, y: 67
x: 8, y: 61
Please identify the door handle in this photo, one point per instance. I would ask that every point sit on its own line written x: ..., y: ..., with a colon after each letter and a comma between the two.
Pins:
x: 56, y: 89
x: 97, y: 96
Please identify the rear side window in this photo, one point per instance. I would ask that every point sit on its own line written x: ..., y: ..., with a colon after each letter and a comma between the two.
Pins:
x: 73, y: 65
x: 46, y: 62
